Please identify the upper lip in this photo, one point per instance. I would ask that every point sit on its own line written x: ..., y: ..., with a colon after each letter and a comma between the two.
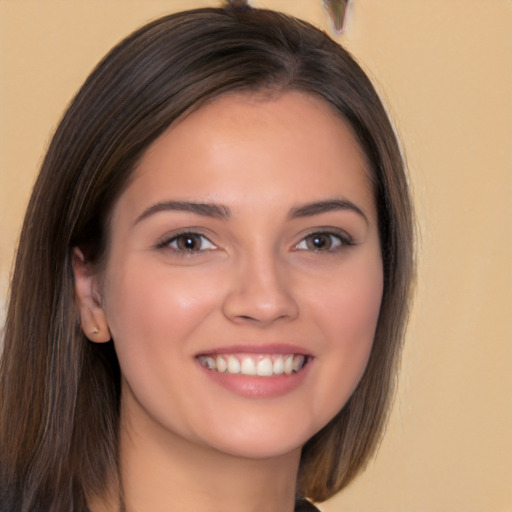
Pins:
x: 272, y: 348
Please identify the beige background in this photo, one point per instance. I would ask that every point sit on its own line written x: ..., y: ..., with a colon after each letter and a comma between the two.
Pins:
x: 444, y: 69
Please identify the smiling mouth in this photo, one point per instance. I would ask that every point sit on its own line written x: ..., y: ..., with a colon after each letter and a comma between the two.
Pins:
x: 260, y: 365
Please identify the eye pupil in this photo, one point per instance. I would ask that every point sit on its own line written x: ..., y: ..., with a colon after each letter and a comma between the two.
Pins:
x: 319, y: 242
x: 189, y: 242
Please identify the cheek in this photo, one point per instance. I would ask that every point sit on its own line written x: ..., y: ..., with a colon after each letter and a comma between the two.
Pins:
x: 358, y: 308
x: 152, y: 310
x: 347, y: 312
x: 349, y: 303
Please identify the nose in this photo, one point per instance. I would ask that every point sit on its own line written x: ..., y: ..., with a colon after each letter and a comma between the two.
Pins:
x: 261, y: 292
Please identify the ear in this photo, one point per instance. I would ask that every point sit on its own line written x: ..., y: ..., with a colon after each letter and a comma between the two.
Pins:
x: 92, y: 317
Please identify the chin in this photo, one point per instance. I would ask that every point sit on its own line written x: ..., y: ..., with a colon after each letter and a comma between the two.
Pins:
x: 254, y: 440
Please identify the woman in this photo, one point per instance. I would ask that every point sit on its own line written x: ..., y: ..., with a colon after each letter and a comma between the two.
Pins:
x: 212, y: 280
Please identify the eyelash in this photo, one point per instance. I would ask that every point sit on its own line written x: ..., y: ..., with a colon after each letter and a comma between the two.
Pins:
x: 339, y: 239
x: 167, y: 243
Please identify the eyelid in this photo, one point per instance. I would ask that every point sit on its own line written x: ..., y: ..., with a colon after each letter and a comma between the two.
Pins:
x: 168, y: 239
x: 344, y: 238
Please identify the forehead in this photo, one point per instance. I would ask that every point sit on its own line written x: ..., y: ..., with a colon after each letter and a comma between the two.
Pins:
x: 281, y: 146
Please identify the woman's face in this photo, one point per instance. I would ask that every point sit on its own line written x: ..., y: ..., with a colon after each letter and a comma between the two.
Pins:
x: 244, y: 276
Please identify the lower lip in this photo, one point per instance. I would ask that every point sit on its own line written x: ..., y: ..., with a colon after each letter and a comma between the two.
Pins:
x: 249, y: 386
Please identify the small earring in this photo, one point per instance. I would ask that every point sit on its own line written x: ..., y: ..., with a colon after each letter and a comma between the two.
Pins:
x: 95, y: 331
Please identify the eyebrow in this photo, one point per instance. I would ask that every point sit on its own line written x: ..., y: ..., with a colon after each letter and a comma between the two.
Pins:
x: 218, y: 211
x: 205, y: 209
x: 330, y: 205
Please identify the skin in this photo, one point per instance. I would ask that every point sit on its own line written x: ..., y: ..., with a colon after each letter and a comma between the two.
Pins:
x: 254, y: 278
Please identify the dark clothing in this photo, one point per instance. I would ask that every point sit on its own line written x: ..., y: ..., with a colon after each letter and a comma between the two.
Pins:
x: 302, y: 505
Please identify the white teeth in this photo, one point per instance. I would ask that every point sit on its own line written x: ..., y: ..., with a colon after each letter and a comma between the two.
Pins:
x: 298, y: 363
x: 265, y: 368
x: 222, y: 366
x: 279, y: 366
x: 210, y: 363
x: 233, y: 365
x: 248, y: 366
x: 288, y: 365
x: 260, y: 365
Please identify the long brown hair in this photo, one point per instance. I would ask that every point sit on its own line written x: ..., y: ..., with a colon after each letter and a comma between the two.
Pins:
x: 60, y: 393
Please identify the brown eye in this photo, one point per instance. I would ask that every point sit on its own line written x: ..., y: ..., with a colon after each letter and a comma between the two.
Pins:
x: 319, y: 242
x: 190, y: 242
x: 322, y: 242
